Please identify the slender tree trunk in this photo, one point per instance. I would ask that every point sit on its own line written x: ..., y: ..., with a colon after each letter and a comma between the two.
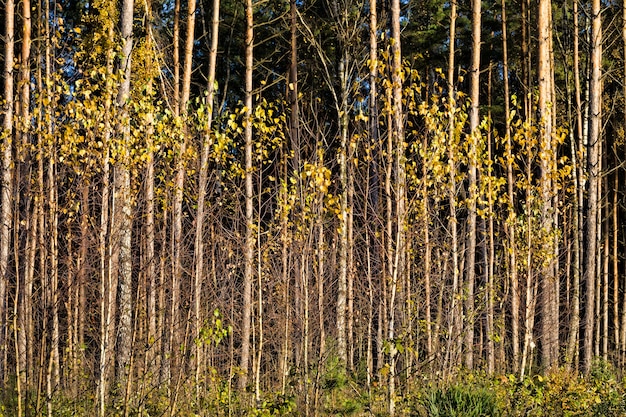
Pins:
x: 622, y: 340
x: 606, y: 255
x: 549, y: 282
x: 152, y: 337
x: 616, y: 272
x: 249, y: 233
x: 428, y: 252
x: 202, y: 186
x: 24, y: 296
x: 342, y: 286
x: 454, y: 329
x: 108, y: 288
x: 350, y: 262
x: 105, y: 289
x: 294, y: 121
x: 43, y: 124
x: 123, y: 221
x: 259, y: 302
x: 574, y: 326
x: 399, y: 261
x: 593, y: 172
x: 188, y: 56
x: 526, y: 57
x: 54, y: 372
x: 6, y: 187
x: 176, y: 58
x: 474, y: 117
x: 342, y: 109
x: 81, y: 280
x: 511, y: 221
x: 371, y: 198
x: 284, y: 241
x: 490, y: 250
x: 177, y: 328
x: 321, y: 274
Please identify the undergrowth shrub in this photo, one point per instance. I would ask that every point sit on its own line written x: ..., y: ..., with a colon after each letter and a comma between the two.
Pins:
x: 460, y: 401
x: 563, y: 393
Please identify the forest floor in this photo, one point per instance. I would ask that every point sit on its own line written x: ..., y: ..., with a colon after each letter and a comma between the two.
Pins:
x: 555, y: 394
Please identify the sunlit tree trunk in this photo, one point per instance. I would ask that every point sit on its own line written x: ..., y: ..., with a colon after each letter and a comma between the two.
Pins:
x: 249, y: 227
x: 616, y: 272
x: 622, y: 339
x: 24, y: 296
x: 526, y: 57
x: 606, y: 255
x: 53, y: 375
x: 474, y: 118
x: 122, y: 222
x: 177, y: 320
x: 399, y: 262
x: 176, y: 59
x: 342, y: 285
x: 373, y: 183
x: 153, y: 341
x: 294, y: 121
x: 81, y: 281
x: 38, y: 219
x: 202, y: 186
x: 511, y: 220
x: 546, y: 105
x: 593, y: 173
x: 454, y: 326
x: 107, y: 287
x: 6, y: 187
x: 489, y: 244
x: 571, y: 353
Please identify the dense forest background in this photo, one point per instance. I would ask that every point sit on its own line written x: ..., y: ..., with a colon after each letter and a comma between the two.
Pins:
x: 273, y: 205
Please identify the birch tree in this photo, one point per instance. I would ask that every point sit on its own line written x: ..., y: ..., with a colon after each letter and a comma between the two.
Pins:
x: 123, y: 214
x: 7, y: 175
x: 593, y: 172
x: 250, y: 241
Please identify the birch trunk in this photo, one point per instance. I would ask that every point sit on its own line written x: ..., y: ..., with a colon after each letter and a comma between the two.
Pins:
x: 549, y: 282
x: 249, y: 228
x: 123, y: 212
x: 6, y: 187
x: 474, y: 117
x: 202, y: 186
x: 593, y: 172
x: 399, y: 262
